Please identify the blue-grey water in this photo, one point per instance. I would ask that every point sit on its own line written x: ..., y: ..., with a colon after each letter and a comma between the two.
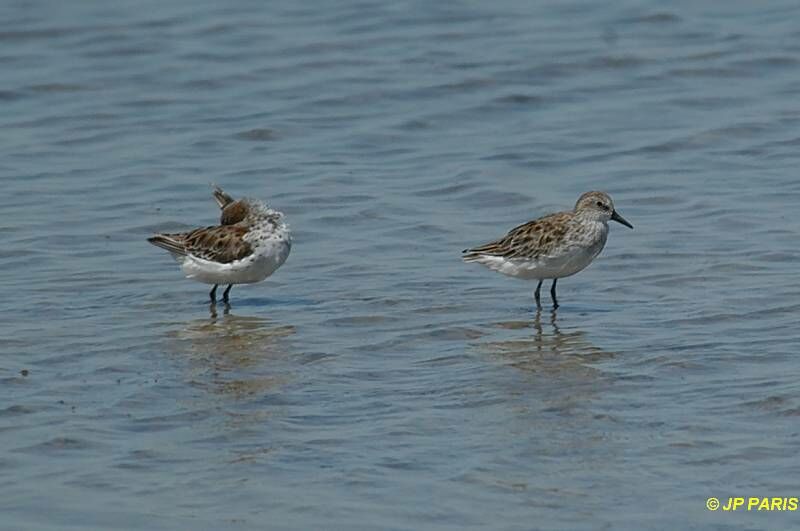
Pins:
x: 375, y: 381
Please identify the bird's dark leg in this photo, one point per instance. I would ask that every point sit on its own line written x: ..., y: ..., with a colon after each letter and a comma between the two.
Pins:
x: 213, y: 294
x: 553, y: 293
x: 225, y: 293
x: 537, y: 293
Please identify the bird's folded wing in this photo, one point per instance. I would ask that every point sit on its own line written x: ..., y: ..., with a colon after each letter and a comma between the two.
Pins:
x: 223, y: 244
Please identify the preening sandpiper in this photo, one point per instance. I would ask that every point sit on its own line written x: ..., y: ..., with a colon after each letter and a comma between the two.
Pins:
x: 553, y: 246
x: 251, y: 242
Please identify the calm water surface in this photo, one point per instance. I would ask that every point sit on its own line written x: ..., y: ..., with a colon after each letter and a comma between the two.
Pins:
x: 376, y: 382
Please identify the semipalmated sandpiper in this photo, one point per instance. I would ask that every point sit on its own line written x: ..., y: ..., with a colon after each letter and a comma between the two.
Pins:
x: 251, y: 242
x: 553, y: 246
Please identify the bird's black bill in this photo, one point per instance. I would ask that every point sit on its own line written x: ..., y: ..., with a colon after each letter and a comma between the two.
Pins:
x: 619, y: 219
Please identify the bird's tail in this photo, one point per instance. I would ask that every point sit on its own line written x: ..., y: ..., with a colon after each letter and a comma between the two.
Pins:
x: 476, y: 254
x: 171, y: 242
x: 468, y: 256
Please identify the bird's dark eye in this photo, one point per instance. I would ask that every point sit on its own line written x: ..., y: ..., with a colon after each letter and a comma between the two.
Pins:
x: 601, y: 205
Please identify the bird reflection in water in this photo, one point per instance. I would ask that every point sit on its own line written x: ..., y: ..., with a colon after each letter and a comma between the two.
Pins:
x: 212, y: 309
x: 548, y: 349
x: 234, y: 355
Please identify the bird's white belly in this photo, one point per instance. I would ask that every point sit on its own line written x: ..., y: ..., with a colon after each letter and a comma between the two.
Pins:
x: 545, y: 267
x: 247, y: 271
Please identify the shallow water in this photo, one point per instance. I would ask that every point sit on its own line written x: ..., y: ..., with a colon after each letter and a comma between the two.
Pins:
x: 376, y: 382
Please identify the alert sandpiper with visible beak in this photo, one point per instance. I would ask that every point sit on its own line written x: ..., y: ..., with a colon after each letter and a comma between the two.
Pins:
x: 553, y: 246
